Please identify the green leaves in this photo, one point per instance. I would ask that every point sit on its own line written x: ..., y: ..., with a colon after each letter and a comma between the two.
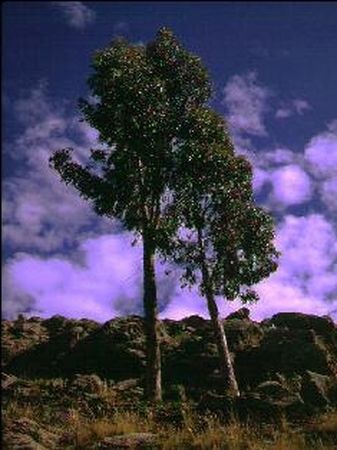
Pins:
x: 169, y: 163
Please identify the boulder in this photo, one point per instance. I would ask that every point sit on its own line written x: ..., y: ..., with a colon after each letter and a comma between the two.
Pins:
x: 315, y: 388
x: 286, y: 351
x: 27, y: 434
x: 266, y: 408
x: 130, y: 440
x: 321, y: 325
x: 194, y: 321
x: 7, y: 381
x: 242, y: 314
x: 272, y: 390
x: 91, y: 384
x: 214, y: 402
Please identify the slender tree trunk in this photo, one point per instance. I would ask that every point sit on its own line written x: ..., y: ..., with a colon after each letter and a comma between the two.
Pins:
x: 226, y: 365
x: 153, y: 362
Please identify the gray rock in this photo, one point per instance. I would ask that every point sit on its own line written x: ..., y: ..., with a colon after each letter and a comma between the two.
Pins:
x: 7, y: 381
x: 130, y: 440
x: 26, y: 434
x: 314, y: 389
x: 273, y: 390
x: 88, y: 383
x: 242, y: 314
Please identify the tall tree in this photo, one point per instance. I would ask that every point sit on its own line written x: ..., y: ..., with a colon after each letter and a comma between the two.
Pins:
x: 143, y: 96
x: 225, y: 244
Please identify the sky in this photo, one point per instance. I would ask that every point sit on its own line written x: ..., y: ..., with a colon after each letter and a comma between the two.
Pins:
x: 272, y: 65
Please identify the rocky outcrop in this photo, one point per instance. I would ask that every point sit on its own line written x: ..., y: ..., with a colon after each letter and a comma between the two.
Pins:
x: 27, y: 434
x: 140, y: 441
x: 287, y: 346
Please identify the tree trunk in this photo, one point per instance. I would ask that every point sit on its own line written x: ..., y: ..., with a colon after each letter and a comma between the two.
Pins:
x: 153, y: 363
x: 226, y: 366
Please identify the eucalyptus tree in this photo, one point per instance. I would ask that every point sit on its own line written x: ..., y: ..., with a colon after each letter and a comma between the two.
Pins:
x: 142, y: 95
x: 225, y: 244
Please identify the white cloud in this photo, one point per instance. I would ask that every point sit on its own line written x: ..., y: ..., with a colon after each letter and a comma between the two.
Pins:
x: 107, y: 282
x: 307, y: 274
x: 260, y: 178
x: 321, y: 157
x: 329, y: 193
x: 77, y: 14
x: 246, y: 101
x: 291, y: 185
x: 40, y: 212
x: 283, y: 113
x: 321, y: 153
x: 297, y: 106
x: 301, y: 105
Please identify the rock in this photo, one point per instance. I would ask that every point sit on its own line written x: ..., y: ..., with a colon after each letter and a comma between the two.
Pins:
x: 26, y: 434
x: 253, y: 405
x: 14, y: 441
x: 114, y: 350
x: 194, y: 321
x: 242, y: 334
x: 130, y: 440
x: 175, y: 392
x: 321, y: 325
x: 91, y: 384
x: 127, y: 384
x: 7, y: 381
x: 211, y: 401
x: 314, y: 389
x: 272, y: 390
x: 286, y: 351
x: 242, y: 314
x: 280, y: 349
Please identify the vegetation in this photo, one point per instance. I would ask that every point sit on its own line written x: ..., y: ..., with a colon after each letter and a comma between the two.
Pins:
x: 168, y: 164
x: 61, y: 394
x: 225, y: 242
x: 144, y: 97
x: 202, y: 432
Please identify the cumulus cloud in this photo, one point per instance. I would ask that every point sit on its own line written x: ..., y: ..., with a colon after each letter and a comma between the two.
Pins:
x: 329, y: 193
x: 246, y: 102
x: 291, y: 185
x: 42, y: 217
x: 306, y: 280
x: 99, y: 286
x: 260, y: 178
x: 290, y: 108
x: 39, y: 212
x: 321, y: 153
x: 77, y: 14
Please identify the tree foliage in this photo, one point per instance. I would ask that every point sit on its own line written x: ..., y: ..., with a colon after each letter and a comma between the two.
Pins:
x: 144, y: 101
x: 166, y: 168
x: 217, y: 211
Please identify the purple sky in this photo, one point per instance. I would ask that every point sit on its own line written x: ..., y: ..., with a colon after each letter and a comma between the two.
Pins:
x: 59, y: 258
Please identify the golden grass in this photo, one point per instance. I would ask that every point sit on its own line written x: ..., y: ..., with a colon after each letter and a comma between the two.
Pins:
x: 88, y: 431
x: 195, y: 432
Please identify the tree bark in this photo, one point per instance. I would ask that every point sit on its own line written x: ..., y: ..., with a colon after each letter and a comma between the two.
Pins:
x: 153, y: 361
x: 226, y: 365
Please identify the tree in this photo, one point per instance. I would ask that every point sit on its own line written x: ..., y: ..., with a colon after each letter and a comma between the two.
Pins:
x: 143, y: 98
x: 225, y: 244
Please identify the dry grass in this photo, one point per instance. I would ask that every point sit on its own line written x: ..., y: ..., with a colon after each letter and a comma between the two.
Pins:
x: 326, y: 423
x: 88, y: 431
x: 195, y: 432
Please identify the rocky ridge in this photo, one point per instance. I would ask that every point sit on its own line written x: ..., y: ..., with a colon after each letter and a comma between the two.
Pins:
x: 285, y: 365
